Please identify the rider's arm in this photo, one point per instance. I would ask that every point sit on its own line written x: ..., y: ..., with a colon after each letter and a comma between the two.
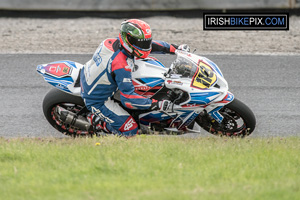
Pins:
x: 163, y: 47
x: 122, y: 75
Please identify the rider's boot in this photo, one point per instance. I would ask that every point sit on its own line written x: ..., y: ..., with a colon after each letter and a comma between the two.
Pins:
x: 97, y: 123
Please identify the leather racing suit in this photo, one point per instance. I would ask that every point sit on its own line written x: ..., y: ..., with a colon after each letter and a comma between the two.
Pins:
x: 108, y: 71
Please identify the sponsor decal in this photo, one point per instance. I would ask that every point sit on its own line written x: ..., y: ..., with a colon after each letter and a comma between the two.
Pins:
x: 58, y: 70
x: 66, y: 70
x: 97, y: 55
x: 145, y: 88
x: 190, y: 105
x: 174, y: 82
x: 189, y: 119
x: 130, y: 124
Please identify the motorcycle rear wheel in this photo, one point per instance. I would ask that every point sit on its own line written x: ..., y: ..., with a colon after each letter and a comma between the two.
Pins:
x: 57, y: 98
x: 239, y: 121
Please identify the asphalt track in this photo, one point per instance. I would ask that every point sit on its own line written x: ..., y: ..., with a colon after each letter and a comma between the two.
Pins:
x: 269, y: 85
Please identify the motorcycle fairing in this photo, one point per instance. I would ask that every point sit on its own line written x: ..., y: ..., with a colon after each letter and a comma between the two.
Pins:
x: 148, y: 84
x: 203, y: 98
x: 227, y: 99
x: 212, y: 65
x: 155, y: 116
x: 188, y: 120
x: 152, y: 82
x: 57, y: 69
x: 153, y: 61
x: 202, y: 80
x: 219, y: 105
x: 62, y: 75
x: 183, y: 117
x: 186, y: 114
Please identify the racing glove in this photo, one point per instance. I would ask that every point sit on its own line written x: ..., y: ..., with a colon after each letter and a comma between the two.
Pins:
x: 160, y: 105
x: 184, y: 47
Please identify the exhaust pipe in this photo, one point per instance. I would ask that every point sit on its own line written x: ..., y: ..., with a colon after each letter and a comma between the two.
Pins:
x: 73, y: 120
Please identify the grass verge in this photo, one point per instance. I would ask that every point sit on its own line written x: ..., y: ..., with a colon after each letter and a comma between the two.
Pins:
x: 150, y: 167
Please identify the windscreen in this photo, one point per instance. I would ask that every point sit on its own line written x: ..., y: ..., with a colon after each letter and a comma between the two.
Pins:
x: 184, y: 67
x: 201, y: 74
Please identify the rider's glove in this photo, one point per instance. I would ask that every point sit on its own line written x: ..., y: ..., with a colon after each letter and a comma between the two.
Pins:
x: 160, y: 105
x: 184, y: 47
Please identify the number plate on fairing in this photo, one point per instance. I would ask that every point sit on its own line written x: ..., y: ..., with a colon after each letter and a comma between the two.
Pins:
x: 204, y: 77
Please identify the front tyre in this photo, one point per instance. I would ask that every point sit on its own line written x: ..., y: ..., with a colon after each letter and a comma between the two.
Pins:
x: 239, y: 121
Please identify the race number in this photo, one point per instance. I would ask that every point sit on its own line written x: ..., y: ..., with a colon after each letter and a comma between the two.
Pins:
x: 204, y: 77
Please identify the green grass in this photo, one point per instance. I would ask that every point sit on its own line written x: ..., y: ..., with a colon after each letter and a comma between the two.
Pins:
x: 150, y: 167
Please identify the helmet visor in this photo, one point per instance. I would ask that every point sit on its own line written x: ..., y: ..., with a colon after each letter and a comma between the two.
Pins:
x: 141, y: 44
x: 131, y: 29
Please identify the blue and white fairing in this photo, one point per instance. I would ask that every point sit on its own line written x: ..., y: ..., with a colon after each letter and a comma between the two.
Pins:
x: 199, y: 77
x: 62, y: 75
x: 202, y: 80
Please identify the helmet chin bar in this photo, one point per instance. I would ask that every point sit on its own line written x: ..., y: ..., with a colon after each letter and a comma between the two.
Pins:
x: 137, y: 54
x: 141, y: 55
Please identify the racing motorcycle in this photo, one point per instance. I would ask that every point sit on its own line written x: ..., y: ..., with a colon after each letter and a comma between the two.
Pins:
x: 194, y: 84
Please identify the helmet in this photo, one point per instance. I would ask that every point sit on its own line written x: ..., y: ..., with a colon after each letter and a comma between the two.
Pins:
x: 135, y: 36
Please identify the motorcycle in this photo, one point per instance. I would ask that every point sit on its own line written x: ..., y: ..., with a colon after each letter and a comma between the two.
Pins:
x: 194, y: 84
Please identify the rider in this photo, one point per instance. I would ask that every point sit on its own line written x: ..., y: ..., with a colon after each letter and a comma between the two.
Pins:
x: 110, y: 70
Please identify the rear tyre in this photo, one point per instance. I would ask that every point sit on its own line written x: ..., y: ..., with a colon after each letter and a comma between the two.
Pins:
x: 239, y: 121
x: 58, y: 99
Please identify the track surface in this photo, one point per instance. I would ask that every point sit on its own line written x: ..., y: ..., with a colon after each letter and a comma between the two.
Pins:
x: 269, y: 85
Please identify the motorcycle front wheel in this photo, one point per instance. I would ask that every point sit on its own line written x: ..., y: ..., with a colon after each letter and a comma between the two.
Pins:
x: 239, y: 121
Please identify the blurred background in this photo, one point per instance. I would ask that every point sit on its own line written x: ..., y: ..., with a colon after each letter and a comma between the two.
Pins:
x: 138, y: 5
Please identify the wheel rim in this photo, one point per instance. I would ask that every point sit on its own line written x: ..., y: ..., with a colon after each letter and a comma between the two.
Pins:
x: 233, y: 125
